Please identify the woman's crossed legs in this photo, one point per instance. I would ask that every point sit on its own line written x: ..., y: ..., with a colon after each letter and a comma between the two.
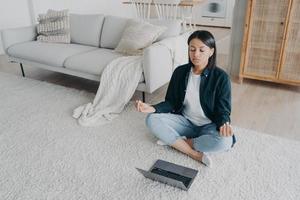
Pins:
x: 178, y: 132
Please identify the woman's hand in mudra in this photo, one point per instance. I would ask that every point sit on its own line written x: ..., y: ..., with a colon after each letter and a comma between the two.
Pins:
x: 226, y: 130
x: 143, y: 107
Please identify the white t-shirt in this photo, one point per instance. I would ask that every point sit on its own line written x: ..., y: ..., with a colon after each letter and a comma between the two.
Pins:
x: 192, y: 107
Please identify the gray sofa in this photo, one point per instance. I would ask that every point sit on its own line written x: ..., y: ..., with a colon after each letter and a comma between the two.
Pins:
x: 93, y: 40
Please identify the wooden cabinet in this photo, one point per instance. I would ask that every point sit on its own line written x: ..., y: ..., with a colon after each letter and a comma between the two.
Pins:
x: 271, y: 44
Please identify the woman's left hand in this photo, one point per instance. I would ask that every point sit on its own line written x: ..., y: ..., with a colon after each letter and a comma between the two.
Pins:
x: 226, y: 130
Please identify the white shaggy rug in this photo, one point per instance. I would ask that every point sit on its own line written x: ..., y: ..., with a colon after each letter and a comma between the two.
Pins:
x: 45, y: 154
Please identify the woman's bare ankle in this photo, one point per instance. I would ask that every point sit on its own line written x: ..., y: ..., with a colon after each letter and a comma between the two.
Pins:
x: 196, y: 155
x: 189, y: 142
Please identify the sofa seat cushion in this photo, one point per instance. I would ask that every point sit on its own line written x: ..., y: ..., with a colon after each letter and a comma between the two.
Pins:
x: 52, y: 54
x: 93, y: 62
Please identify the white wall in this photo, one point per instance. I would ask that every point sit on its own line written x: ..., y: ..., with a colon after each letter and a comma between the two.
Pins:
x: 17, y: 13
x: 13, y: 13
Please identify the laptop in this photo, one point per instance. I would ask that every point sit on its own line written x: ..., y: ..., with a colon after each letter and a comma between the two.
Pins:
x: 171, y: 174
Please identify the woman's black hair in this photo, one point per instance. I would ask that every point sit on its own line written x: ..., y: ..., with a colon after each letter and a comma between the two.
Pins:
x: 208, y: 39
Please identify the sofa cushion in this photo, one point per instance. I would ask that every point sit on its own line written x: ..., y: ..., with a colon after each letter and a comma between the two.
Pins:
x: 86, y: 29
x: 113, y: 28
x: 173, y: 27
x: 137, y: 36
x: 53, y: 54
x: 92, y: 62
x: 54, y: 26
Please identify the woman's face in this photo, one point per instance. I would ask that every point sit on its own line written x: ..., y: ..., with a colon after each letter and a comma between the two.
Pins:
x: 199, y: 53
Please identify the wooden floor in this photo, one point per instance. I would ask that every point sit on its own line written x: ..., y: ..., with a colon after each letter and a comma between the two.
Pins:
x: 261, y: 106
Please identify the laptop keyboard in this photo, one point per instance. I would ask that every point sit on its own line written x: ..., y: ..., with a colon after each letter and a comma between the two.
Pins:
x: 185, y: 180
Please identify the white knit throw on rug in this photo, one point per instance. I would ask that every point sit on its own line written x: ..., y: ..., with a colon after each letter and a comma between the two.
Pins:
x: 118, y: 82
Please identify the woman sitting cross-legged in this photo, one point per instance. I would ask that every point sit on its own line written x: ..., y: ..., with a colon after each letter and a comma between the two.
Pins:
x: 195, y: 116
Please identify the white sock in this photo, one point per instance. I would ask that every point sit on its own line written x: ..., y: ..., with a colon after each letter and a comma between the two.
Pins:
x: 206, y: 160
x: 161, y: 143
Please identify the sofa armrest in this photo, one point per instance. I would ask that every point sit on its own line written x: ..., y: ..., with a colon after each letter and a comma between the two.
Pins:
x: 17, y: 35
x: 157, y: 66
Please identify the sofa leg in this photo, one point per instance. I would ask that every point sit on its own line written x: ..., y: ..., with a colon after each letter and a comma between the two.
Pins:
x: 23, y: 74
x: 143, y: 93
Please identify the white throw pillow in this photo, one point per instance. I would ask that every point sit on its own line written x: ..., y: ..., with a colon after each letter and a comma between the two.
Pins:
x: 137, y: 36
x: 54, y: 26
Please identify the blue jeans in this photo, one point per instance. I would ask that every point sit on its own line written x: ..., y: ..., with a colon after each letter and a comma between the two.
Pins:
x: 171, y: 127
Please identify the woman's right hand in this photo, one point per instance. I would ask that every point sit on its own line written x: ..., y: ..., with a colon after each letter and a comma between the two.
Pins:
x: 143, y: 107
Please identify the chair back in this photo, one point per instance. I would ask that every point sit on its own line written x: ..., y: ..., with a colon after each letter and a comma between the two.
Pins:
x: 166, y: 9
x: 142, y: 8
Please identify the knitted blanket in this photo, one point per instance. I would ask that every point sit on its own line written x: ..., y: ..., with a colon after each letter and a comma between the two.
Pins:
x: 118, y: 83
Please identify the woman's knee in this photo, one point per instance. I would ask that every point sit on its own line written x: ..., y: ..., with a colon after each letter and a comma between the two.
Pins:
x: 151, y: 119
x: 154, y: 123
x: 159, y: 126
